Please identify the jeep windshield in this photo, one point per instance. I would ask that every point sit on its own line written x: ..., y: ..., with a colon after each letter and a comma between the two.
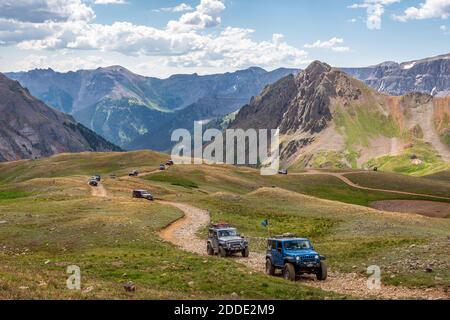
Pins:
x: 297, y: 245
x: 227, y: 233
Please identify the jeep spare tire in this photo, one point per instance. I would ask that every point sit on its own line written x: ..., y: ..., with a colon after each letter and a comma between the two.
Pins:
x: 323, y: 272
x: 289, y: 272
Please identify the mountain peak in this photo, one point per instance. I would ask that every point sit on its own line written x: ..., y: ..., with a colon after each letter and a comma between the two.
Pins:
x: 318, y: 67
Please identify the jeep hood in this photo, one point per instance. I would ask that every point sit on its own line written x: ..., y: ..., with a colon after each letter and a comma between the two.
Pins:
x: 301, y: 252
x: 233, y: 238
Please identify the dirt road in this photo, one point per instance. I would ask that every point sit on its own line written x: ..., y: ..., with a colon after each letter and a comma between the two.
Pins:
x: 99, y: 191
x: 350, y: 183
x: 183, y: 233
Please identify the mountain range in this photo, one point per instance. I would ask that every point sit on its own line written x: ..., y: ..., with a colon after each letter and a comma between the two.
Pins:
x: 329, y: 119
x: 124, y: 107
x: 29, y: 129
x: 137, y: 112
x: 429, y: 75
x: 394, y: 113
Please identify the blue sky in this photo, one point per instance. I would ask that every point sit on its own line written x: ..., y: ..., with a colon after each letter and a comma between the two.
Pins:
x: 163, y: 37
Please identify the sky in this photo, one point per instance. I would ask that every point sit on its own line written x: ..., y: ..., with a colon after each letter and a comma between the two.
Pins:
x: 164, y: 37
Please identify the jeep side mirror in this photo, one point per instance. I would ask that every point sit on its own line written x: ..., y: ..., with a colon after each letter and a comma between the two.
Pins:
x: 323, y: 258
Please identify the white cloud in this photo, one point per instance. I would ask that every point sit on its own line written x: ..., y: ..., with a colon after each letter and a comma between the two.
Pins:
x: 445, y: 30
x: 375, y: 10
x: 427, y: 10
x: 184, y: 42
x: 234, y: 48
x: 332, y: 44
x: 38, y: 11
x: 110, y: 2
x: 183, y: 7
x: 206, y: 15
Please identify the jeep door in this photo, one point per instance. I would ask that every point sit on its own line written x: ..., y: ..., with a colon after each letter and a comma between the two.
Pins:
x: 215, y: 241
x: 277, y: 254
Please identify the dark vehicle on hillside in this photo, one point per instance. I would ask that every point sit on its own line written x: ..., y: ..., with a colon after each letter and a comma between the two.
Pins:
x: 162, y: 167
x: 97, y: 177
x: 93, y: 183
x: 294, y: 257
x: 169, y: 163
x: 283, y: 172
x: 133, y: 173
x: 225, y: 241
x: 142, y: 194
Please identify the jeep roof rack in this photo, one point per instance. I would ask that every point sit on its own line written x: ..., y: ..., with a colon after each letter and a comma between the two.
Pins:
x: 285, y: 235
x: 221, y: 225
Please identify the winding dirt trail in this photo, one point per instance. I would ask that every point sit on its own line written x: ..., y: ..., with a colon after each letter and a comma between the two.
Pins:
x: 350, y: 183
x: 99, y: 191
x: 183, y: 233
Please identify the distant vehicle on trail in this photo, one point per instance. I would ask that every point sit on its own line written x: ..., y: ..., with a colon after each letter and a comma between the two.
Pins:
x: 142, y: 194
x: 133, y: 173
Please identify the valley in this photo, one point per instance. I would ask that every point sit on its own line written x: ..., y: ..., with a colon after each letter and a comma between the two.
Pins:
x: 53, y: 219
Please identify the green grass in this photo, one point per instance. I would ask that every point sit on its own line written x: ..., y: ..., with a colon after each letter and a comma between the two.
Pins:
x: 64, y: 165
x: 439, y: 176
x: 361, y: 123
x: 383, y: 180
x: 173, y: 180
x: 431, y: 161
x: 12, y: 194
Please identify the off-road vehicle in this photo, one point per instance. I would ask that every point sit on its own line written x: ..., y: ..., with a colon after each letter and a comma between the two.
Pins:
x: 285, y: 172
x: 169, y: 163
x: 225, y: 241
x: 93, y: 182
x: 142, y: 194
x: 134, y: 173
x: 97, y: 177
x: 162, y: 167
x: 294, y: 257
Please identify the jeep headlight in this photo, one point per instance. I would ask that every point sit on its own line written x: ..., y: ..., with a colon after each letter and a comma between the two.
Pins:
x: 297, y: 258
x: 317, y: 257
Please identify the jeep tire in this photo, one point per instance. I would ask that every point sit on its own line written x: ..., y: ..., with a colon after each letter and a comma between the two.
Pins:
x: 210, y: 250
x: 245, y: 252
x: 222, y: 252
x: 323, y: 272
x: 270, y: 269
x: 289, y: 272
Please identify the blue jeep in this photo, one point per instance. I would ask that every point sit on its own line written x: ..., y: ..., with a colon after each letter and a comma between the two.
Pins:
x: 294, y: 256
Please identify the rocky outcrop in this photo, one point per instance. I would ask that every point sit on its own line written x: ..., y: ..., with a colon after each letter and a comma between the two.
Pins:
x: 327, y: 118
x: 29, y: 129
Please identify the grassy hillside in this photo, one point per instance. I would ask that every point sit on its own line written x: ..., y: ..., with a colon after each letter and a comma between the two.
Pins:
x: 430, y: 163
x: 384, y: 180
x: 52, y: 221
x: 351, y: 237
x: 63, y: 165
